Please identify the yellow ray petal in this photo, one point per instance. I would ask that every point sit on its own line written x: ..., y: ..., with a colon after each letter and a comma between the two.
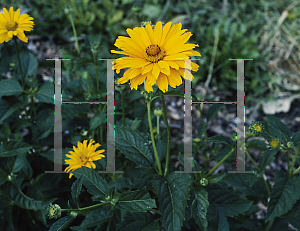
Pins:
x: 155, y: 70
x: 164, y: 33
x: 6, y: 15
x: 157, y: 33
x: 11, y: 13
x: 150, y: 33
x: 174, y: 78
x: 17, y: 14
x: 136, y: 81
x: 165, y: 65
x: 186, y: 74
x: 162, y: 82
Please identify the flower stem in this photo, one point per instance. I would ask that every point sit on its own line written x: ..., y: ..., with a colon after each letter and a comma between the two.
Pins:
x: 294, y: 160
x: 87, y: 208
x: 74, y: 32
x: 157, y: 124
x: 168, y: 131
x: 152, y: 138
x: 298, y: 169
x: 20, y: 67
x: 269, y: 225
x: 213, y: 169
x: 288, y: 161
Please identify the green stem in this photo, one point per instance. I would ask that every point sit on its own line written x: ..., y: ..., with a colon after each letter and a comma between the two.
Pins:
x: 154, y: 210
x: 157, y: 124
x: 269, y: 225
x: 87, y: 208
x: 265, y: 183
x: 20, y: 67
x: 75, y: 34
x: 168, y: 131
x: 152, y: 138
x: 97, y: 76
x: 294, y: 160
x: 213, y: 169
x: 288, y: 162
x: 123, y: 108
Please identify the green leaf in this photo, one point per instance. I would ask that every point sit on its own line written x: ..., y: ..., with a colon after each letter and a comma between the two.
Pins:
x: 134, y: 146
x: 16, y: 163
x: 285, y: 192
x: 296, y: 139
x: 136, y: 201
x: 11, y: 110
x: 94, y: 183
x: 281, y: 127
x: 220, y: 222
x: 217, y: 177
x: 139, y: 222
x: 3, y: 176
x: 200, y: 129
x: 24, y: 201
x: 29, y: 64
x: 14, y: 148
x: 61, y: 224
x: 256, y: 144
x: 228, y: 201
x: 173, y: 195
x: 97, y: 217
x: 212, y: 111
x: 45, y: 93
x: 77, y: 228
x: 221, y: 139
x: 76, y: 189
x: 266, y: 158
x: 199, y: 207
x: 97, y: 121
x: 10, y: 87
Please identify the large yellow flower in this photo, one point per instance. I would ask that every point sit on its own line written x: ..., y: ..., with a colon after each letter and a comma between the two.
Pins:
x: 83, y: 156
x: 12, y: 23
x: 153, y: 55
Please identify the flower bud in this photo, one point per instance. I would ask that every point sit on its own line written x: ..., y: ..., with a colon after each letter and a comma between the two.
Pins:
x: 158, y: 112
x: 290, y: 144
x: 204, y: 182
x: 256, y: 128
x: 274, y: 143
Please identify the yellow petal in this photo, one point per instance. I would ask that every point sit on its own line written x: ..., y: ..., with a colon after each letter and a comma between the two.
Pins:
x: 150, y: 33
x: 186, y: 74
x: 162, y: 82
x: 11, y: 13
x: 155, y: 70
x: 6, y: 15
x: 165, y: 65
x: 16, y: 16
x: 174, y: 78
x: 136, y: 81
x: 164, y: 33
x: 157, y: 33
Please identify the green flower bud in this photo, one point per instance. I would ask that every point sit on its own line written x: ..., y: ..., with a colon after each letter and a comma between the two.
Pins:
x: 274, y: 143
x: 158, y: 112
x: 119, y: 87
x: 53, y: 211
x: 204, y: 182
x: 290, y: 144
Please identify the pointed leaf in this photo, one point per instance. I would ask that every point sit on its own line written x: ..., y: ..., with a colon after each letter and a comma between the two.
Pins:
x: 135, y: 146
x: 136, y: 201
x: 94, y: 183
x: 173, y: 195
x: 14, y: 148
x: 76, y: 189
x: 281, y: 127
x: 46, y: 93
x: 10, y: 87
x: 221, y: 139
x: 97, y: 217
x: 199, y: 207
x: 296, y: 139
x: 266, y: 158
x: 212, y: 111
x: 285, y: 192
x: 61, y: 224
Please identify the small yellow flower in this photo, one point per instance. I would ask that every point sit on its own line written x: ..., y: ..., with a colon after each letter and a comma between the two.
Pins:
x: 83, y: 156
x: 196, y: 139
x: 53, y: 211
x: 274, y: 143
x: 256, y: 128
x: 154, y: 130
x: 154, y: 54
x: 14, y: 24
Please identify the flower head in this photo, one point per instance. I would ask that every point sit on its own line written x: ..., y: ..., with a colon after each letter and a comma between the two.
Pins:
x: 256, y: 128
x: 274, y: 143
x: 53, y: 211
x: 12, y: 23
x: 83, y: 156
x: 154, y: 56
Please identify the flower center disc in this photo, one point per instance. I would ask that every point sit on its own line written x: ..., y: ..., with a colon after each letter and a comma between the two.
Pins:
x: 257, y: 128
x: 11, y: 26
x: 274, y: 143
x: 154, y: 53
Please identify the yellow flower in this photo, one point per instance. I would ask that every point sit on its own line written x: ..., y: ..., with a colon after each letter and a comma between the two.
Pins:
x: 12, y: 24
x: 153, y: 55
x: 83, y: 156
x: 274, y: 143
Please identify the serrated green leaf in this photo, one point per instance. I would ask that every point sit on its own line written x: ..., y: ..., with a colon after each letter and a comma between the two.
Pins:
x: 296, y: 139
x: 217, y: 177
x: 77, y: 228
x: 10, y: 87
x: 45, y: 93
x: 257, y: 144
x: 200, y: 129
x: 281, y: 127
x: 24, y: 201
x: 212, y: 111
x: 61, y: 224
x: 97, y: 217
x: 10, y: 111
x: 199, y: 207
x: 76, y: 189
x: 14, y: 148
x: 266, y: 158
x: 139, y: 222
x: 29, y: 64
x: 221, y: 139
x: 285, y: 192
x: 94, y: 183
x: 228, y: 201
x: 173, y: 195
x: 16, y: 163
x: 135, y: 147
x: 135, y: 201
